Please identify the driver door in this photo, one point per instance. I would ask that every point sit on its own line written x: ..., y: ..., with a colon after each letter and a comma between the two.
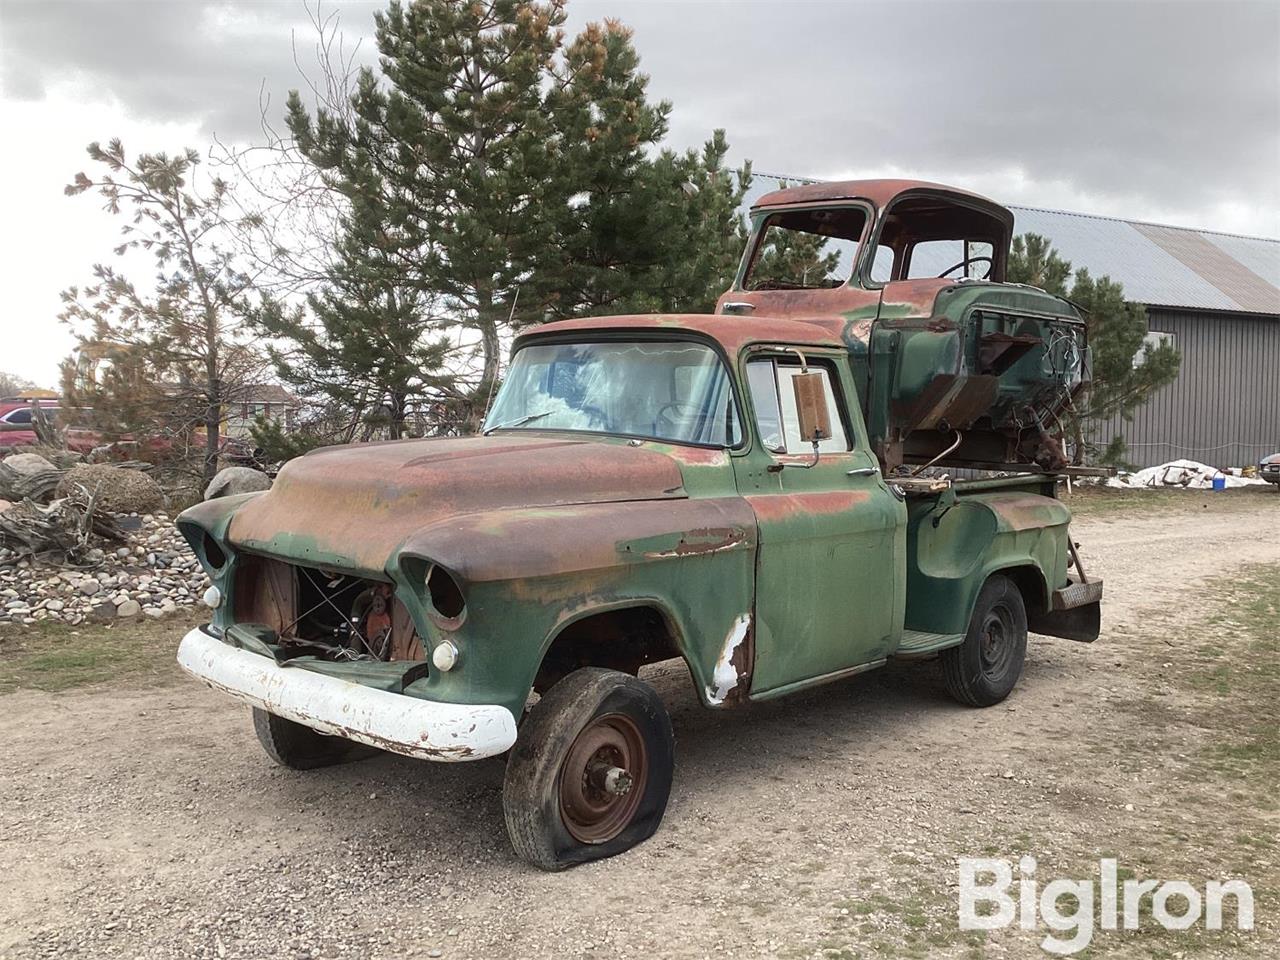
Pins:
x: 830, y: 573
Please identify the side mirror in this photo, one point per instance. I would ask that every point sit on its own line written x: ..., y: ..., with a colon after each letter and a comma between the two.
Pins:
x: 811, y: 407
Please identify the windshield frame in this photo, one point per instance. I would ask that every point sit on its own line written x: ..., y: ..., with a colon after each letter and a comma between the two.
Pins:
x: 760, y: 218
x: 635, y: 335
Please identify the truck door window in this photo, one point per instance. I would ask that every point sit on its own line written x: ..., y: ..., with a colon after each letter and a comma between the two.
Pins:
x: 774, y: 399
x: 806, y: 249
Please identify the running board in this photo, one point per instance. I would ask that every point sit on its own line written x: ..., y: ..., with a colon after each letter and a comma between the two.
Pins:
x: 916, y: 642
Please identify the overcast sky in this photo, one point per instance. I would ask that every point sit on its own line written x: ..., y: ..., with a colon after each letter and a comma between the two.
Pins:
x: 1158, y: 111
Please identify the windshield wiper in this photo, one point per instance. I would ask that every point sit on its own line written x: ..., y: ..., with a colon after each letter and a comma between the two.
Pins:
x: 518, y: 421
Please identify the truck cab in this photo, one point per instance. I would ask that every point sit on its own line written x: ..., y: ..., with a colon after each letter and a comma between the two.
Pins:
x: 741, y: 491
x: 910, y: 275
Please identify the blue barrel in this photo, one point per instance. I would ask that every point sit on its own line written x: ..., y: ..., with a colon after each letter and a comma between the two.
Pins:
x: 1219, y: 483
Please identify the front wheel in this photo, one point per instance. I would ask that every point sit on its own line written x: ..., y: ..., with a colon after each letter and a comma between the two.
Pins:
x: 590, y: 772
x: 300, y: 748
x: 983, y: 670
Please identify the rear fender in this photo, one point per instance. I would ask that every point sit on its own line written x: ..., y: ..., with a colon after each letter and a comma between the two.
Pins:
x: 953, y: 548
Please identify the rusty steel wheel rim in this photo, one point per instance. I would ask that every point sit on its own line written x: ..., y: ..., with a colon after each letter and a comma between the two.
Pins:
x: 602, y: 778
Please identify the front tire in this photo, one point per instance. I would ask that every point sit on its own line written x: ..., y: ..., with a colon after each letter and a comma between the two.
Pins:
x: 983, y: 670
x: 300, y: 748
x: 590, y: 773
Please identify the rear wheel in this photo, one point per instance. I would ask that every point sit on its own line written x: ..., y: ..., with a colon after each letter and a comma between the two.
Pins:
x: 301, y: 748
x: 590, y: 773
x: 984, y: 669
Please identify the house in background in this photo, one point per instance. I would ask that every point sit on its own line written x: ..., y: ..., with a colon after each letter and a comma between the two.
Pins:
x: 1216, y: 296
x: 254, y: 401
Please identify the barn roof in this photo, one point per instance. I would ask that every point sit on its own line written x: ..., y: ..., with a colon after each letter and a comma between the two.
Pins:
x: 1165, y: 266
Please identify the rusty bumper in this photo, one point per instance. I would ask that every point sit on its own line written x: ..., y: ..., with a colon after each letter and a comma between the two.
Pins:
x: 426, y: 729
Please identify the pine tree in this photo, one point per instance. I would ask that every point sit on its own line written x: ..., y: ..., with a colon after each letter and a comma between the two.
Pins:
x: 367, y: 342
x: 1126, y: 372
x: 497, y: 177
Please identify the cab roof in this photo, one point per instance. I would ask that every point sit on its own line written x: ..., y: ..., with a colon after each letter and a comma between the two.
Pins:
x: 879, y: 192
x: 731, y: 332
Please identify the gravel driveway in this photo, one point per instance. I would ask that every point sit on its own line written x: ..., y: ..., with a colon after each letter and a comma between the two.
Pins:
x: 148, y: 823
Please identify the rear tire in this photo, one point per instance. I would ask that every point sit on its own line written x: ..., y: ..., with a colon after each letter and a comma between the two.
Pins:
x: 983, y: 670
x: 300, y: 748
x: 590, y: 773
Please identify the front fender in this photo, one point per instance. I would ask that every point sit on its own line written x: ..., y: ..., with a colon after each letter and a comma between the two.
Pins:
x: 528, y: 573
x: 538, y: 542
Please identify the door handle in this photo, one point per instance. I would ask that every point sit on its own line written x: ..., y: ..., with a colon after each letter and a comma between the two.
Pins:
x: 863, y: 472
x: 738, y: 306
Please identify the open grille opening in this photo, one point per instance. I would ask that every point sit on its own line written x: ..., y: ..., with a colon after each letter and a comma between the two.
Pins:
x: 325, y: 613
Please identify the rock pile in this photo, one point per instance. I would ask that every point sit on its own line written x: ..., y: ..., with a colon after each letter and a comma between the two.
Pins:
x: 152, y: 574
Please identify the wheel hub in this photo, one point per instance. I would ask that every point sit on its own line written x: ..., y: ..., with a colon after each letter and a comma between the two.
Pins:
x: 602, y: 779
x: 997, y: 646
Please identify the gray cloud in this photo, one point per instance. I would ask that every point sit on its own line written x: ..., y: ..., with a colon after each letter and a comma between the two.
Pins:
x: 1175, y: 105
x: 1171, y: 106
x: 171, y: 59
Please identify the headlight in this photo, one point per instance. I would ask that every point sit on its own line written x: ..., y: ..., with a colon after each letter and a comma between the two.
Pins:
x: 446, y: 595
x: 212, y: 598
x: 444, y: 657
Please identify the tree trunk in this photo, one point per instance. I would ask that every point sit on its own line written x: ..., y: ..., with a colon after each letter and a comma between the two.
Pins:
x: 212, y: 429
x: 396, y: 429
x: 489, y: 318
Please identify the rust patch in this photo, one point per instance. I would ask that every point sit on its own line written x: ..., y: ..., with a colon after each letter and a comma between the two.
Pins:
x: 350, y: 507
x: 532, y: 543
x: 731, y: 332
x: 781, y: 506
x: 879, y: 192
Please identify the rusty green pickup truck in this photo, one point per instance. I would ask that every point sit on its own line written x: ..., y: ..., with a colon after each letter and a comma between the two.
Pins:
x: 762, y: 493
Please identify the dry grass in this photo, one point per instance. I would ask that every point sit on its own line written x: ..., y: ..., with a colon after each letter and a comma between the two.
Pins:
x: 1106, y: 503
x: 51, y: 656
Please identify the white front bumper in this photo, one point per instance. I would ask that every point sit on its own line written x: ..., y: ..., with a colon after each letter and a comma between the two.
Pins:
x: 390, y: 721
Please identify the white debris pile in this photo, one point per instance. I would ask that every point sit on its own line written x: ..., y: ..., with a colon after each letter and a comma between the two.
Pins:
x: 151, y: 573
x: 1181, y: 473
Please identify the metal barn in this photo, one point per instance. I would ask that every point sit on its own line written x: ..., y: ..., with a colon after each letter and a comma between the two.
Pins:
x: 1218, y: 296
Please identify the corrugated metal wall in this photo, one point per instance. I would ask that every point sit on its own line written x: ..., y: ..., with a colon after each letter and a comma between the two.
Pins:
x: 1224, y: 408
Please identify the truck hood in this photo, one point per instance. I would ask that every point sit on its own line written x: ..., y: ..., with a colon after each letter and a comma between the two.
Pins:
x: 351, y: 507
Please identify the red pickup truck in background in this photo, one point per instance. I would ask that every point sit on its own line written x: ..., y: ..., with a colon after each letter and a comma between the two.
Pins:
x: 18, y: 430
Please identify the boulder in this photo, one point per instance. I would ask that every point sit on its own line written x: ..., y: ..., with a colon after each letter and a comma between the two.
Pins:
x: 235, y: 480
x: 118, y: 490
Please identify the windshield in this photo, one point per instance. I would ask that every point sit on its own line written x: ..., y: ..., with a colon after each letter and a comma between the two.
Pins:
x: 679, y: 392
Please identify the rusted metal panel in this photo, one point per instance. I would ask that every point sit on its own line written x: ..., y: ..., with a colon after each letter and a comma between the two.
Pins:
x: 731, y: 332
x: 878, y: 192
x: 532, y: 543
x: 265, y: 592
x: 350, y: 507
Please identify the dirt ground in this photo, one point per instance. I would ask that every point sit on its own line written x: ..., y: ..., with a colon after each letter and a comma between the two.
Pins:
x: 139, y: 818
